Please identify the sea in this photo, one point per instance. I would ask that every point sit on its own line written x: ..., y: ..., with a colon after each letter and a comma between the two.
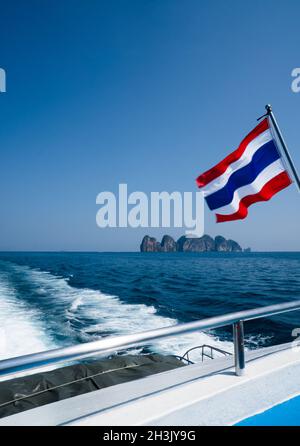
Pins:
x: 56, y: 299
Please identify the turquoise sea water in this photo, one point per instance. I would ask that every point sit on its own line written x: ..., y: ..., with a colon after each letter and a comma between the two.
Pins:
x: 58, y: 299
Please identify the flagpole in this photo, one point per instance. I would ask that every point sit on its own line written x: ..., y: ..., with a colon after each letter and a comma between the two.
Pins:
x: 284, y: 146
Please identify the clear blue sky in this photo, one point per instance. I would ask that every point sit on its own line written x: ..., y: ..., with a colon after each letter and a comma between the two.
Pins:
x: 150, y: 93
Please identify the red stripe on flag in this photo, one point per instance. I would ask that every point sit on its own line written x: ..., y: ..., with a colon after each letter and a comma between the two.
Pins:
x: 220, y: 168
x: 271, y: 188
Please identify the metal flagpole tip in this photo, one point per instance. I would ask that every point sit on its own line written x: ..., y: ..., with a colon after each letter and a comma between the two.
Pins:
x: 268, y: 108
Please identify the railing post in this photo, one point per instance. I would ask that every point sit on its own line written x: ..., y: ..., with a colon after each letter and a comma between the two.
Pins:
x: 239, y: 352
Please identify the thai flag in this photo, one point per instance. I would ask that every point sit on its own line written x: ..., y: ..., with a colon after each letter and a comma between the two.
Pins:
x: 253, y: 172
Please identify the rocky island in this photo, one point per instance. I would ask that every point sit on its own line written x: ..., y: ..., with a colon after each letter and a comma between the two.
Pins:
x: 186, y: 244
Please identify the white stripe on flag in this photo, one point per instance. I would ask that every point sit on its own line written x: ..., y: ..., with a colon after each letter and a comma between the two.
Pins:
x: 264, y: 177
x: 245, y: 159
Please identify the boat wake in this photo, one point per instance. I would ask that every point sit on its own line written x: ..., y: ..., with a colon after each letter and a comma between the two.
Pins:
x: 39, y: 311
x: 21, y: 329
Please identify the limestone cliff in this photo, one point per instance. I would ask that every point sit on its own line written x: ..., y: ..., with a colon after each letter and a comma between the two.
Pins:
x: 186, y: 244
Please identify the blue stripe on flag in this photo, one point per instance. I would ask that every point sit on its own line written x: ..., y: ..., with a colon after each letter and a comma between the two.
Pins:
x: 262, y: 158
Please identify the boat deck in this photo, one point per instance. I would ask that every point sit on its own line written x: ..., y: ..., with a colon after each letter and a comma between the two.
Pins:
x: 199, y: 394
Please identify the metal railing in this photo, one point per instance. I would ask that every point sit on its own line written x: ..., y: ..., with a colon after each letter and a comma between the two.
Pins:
x: 203, y: 353
x: 113, y: 343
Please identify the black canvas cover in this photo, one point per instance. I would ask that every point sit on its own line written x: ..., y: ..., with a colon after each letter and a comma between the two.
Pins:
x: 19, y: 394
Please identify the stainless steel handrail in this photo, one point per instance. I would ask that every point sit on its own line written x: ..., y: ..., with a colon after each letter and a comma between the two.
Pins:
x: 113, y: 343
x: 212, y: 348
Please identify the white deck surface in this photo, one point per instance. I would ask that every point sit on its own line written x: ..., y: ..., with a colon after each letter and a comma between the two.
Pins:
x: 209, y: 394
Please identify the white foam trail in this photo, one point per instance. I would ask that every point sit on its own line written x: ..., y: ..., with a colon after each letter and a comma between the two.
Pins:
x: 116, y: 317
x: 86, y: 315
x: 21, y: 329
x: 106, y: 314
